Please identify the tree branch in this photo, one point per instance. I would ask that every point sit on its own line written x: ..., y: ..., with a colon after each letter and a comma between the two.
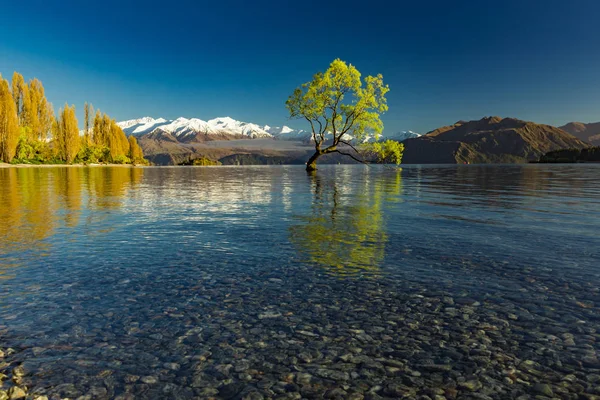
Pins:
x: 313, y: 129
x: 351, y: 156
x: 348, y: 144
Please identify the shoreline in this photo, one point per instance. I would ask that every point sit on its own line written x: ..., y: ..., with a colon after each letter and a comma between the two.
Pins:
x: 5, y: 165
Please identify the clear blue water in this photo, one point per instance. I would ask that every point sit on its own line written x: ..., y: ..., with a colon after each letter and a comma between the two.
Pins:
x: 170, y: 275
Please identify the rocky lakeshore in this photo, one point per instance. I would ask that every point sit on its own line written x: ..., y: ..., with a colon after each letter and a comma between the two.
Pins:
x: 263, y: 337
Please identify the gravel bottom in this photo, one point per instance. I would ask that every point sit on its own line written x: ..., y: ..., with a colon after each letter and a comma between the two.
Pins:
x: 259, y: 336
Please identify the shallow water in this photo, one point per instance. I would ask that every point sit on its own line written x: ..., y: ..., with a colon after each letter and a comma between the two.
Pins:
x: 264, y: 281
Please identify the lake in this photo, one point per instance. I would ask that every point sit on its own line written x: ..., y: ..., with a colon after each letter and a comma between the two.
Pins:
x: 265, y: 282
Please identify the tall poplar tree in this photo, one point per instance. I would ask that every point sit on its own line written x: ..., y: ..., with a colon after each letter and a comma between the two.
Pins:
x: 9, y: 123
x: 39, y: 115
x: 67, y: 134
x: 86, y: 132
x: 19, y: 93
x: 135, y: 152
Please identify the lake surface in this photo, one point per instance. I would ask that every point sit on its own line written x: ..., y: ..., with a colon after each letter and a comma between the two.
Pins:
x: 265, y: 282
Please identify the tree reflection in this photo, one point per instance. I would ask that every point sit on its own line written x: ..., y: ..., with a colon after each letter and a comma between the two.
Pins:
x: 35, y: 202
x: 345, y: 232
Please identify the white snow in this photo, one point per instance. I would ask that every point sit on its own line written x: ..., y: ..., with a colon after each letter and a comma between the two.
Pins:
x: 182, y: 127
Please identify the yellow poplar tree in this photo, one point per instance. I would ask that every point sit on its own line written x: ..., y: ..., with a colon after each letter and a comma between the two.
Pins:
x: 19, y: 93
x: 117, y: 142
x: 87, y: 111
x: 135, y: 151
x: 67, y: 134
x: 39, y: 115
x: 96, y: 127
x: 9, y: 123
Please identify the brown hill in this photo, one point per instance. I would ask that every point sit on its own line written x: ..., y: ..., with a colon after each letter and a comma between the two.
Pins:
x: 589, y: 133
x: 489, y: 140
x: 164, y: 149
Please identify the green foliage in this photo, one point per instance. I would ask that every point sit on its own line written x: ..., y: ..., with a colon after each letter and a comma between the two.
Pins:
x: 336, y: 104
x: 31, y: 149
x: 121, y: 159
x: 93, y: 154
x: 388, y: 151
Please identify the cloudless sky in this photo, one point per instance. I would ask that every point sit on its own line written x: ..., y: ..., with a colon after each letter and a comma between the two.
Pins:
x: 444, y: 61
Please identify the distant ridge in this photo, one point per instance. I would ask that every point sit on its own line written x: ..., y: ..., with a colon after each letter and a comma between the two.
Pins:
x: 488, y: 140
x: 589, y: 133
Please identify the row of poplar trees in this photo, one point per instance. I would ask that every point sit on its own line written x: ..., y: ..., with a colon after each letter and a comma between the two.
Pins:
x: 31, y: 133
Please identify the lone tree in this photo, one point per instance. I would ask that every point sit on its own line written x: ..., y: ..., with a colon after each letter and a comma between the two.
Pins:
x: 339, y: 107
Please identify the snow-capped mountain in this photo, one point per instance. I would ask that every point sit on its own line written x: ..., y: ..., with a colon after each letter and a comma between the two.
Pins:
x: 400, y: 136
x: 182, y: 127
x: 287, y: 133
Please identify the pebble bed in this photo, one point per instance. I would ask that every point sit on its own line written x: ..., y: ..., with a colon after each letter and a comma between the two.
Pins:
x: 324, y: 336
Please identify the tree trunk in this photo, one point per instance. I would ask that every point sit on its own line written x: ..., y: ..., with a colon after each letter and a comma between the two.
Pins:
x: 311, y: 165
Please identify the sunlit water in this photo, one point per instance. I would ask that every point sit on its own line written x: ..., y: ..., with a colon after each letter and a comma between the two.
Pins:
x: 232, y: 282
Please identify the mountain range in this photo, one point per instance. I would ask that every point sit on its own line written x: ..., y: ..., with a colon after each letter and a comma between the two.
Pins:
x: 194, y: 129
x: 589, y: 133
x: 489, y: 140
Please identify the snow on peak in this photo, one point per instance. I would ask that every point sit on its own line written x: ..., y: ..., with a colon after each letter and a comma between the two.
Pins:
x: 400, y: 136
x: 287, y: 133
x: 181, y: 127
x: 139, y: 121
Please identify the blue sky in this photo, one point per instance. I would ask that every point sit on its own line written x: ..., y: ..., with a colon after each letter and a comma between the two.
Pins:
x: 444, y: 61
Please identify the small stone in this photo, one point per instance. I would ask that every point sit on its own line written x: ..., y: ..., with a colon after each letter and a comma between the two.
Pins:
x: 38, y: 350
x: 149, y: 379
x: 131, y: 378
x: 97, y: 391
x: 269, y: 314
x: 253, y: 396
x: 337, y: 393
x: 230, y: 390
x: 448, y: 300
x: 40, y: 398
x: 303, y: 378
x: 356, y: 396
x: 332, y: 374
x: 125, y: 396
x: 16, y: 393
x: 242, y: 365
x: 172, y: 366
x: 209, y: 392
x: 19, y: 371
x: 471, y: 385
x: 543, y: 388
